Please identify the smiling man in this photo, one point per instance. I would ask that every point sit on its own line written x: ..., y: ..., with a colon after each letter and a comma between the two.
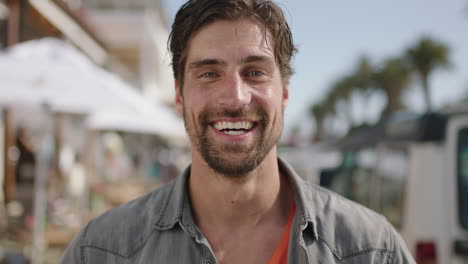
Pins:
x: 237, y: 202
x: 232, y: 99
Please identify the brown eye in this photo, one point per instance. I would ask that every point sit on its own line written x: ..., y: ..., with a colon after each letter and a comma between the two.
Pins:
x: 208, y: 74
x: 255, y: 73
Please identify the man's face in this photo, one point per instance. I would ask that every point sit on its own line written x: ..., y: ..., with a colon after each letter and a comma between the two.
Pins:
x: 233, y: 96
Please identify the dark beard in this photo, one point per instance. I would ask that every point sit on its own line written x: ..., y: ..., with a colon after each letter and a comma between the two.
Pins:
x: 213, y: 155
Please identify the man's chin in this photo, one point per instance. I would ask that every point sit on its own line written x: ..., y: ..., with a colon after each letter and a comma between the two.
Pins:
x: 232, y: 164
x: 232, y: 169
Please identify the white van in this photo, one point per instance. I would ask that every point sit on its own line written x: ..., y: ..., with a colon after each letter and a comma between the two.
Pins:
x: 413, y: 170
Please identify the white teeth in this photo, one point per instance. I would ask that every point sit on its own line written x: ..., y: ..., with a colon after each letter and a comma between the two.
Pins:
x: 245, y: 125
x: 220, y: 125
x: 234, y: 132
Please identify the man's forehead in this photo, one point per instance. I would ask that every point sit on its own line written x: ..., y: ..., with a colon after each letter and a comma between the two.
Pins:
x: 245, y: 39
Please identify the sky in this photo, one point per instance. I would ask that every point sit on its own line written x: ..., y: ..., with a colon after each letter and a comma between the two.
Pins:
x: 331, y: 36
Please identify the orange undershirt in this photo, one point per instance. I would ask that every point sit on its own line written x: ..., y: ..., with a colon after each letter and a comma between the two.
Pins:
x: 280, y: 256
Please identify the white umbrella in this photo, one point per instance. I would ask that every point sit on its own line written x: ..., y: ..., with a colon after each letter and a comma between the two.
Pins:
x: 51, y: 72
x: 64, y: 88
x: 140, y: 123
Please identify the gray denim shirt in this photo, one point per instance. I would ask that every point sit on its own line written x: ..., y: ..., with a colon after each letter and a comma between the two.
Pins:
x: 159, y: 228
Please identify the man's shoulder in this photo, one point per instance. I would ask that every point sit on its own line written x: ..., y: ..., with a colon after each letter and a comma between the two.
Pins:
x: 347, y: 227
x: 125, y: 228
x: 331, y: 204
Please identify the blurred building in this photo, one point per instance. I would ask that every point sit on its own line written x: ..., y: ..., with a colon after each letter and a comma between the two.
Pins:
x: 127, y: 37
x: 135, y: 33
x: 23, y: 20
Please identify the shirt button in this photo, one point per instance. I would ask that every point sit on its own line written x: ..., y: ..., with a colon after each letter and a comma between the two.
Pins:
x: 208, y: 262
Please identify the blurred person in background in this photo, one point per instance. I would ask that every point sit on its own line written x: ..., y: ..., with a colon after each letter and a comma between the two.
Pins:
x: 76, y: 185
x: 237, y: 202
x: 25, y: 169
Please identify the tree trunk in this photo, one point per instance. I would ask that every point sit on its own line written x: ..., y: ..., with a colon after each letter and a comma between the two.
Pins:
x: 426, y: 92
x: 393, y: 102
x: 319, y: 131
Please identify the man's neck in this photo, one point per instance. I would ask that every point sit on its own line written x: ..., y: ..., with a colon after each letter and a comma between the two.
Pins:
x: 218, y: 200
x: 244, y: 218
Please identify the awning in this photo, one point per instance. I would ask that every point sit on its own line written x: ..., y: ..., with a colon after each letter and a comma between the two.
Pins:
x: 50, y: 71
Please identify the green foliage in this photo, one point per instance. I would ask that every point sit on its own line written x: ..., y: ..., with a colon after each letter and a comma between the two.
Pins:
x: 427, y: 55
x: 392, y: 77
x: 424, y: 57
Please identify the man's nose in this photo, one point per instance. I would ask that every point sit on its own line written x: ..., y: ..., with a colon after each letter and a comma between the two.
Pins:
x: 235, y: 92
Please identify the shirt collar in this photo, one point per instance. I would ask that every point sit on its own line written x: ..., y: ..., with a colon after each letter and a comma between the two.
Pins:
x: 177, y: 207
x: 305, y: 205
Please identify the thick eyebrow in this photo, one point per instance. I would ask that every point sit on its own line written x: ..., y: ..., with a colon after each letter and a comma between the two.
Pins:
x: 255, y: 58
x: 200, y: 63
x: 248, y: 59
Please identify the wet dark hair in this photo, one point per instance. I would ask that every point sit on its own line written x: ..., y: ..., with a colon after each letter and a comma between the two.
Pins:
x: 195, y: 14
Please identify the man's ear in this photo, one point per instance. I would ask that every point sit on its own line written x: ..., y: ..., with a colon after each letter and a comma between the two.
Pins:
x: 285, y: 95
x: 179, y: 100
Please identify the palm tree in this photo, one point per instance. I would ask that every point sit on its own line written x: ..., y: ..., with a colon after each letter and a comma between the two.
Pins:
x: 363, y: 75
x: 362, y: 79
x: 393, y: 79
x: 318, y: 112
x: 424, y: 57
x: 326, y: 108
x: 340, y: 96
x: 338, y: 100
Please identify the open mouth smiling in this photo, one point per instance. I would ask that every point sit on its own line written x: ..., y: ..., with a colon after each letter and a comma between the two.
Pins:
x: 234, y: 128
